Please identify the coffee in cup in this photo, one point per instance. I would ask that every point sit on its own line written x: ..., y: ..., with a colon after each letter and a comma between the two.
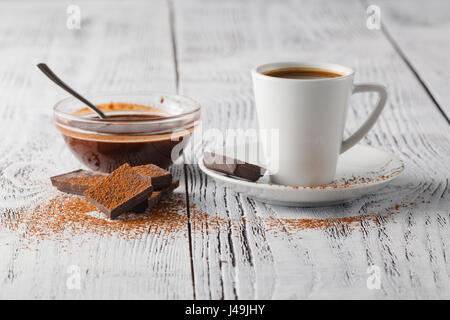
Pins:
x: 307, y: 104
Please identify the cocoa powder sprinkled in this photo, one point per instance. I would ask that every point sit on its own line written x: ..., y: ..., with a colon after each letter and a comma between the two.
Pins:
x: 87, y: 181
x: 371, y: 178
x: 66, y: 216
x: 121, y: 185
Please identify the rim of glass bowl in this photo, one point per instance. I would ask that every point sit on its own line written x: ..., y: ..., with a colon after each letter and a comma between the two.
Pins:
x: 183, y: 101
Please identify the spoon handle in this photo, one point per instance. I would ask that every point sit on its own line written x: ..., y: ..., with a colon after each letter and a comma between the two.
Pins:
x: 49, y: 73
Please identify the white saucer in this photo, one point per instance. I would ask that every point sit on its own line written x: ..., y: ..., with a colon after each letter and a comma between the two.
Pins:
x: 360, y: 170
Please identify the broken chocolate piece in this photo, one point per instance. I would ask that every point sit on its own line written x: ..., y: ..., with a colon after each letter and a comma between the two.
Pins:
x: 168, y: 190
x: 120, y: 192
x: 156, y: 197
x: 77, y: 181
x: 159, y: 177
x: 232, y: 167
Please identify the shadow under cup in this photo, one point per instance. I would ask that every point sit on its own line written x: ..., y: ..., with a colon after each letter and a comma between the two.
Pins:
x: 142, y: 128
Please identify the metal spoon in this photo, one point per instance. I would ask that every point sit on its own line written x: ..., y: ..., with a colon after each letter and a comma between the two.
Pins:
x: 49, y: 73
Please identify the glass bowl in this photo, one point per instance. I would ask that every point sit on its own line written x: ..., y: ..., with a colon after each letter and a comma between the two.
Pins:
x: 143, y: 128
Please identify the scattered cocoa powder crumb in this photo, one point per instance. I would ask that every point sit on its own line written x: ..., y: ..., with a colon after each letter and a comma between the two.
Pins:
x: 88, y: 181
x: 372, y: 177
x: 296, y: 225
x: 203, y: 223
x: 67, y: 216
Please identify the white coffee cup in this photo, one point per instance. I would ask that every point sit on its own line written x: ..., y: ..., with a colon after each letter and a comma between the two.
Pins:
x: 309, y: 115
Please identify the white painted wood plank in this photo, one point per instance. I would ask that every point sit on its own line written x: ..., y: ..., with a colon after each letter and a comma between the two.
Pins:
x: 256, y: 252
x: 422, y: 33
x: 120, y: 47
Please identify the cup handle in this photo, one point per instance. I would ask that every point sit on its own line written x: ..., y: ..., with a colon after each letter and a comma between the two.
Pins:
x: 362, y: 131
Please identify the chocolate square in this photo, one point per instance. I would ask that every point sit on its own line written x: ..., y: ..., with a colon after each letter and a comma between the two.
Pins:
x: 159, y: 177
x: 232, y: 167
x: 77, y: 181
x: 120, y: 192
x: 156, y: 197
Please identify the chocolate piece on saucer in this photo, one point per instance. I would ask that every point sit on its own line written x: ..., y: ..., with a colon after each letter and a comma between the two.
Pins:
x: 232, y: 167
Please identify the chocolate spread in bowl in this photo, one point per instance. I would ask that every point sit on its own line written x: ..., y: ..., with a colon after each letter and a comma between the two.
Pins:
x: 125, y: 142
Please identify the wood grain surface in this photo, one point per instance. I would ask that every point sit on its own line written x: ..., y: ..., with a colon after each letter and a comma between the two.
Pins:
x: 111, y: 52
x: 419, y: 32
x: 231, y: 246
x: 331, y: 262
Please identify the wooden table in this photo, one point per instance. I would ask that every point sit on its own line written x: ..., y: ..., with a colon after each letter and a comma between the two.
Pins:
x: 205, y: 49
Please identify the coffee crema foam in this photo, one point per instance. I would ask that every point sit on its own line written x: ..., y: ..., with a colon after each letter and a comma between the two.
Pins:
x: 302, y: 73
